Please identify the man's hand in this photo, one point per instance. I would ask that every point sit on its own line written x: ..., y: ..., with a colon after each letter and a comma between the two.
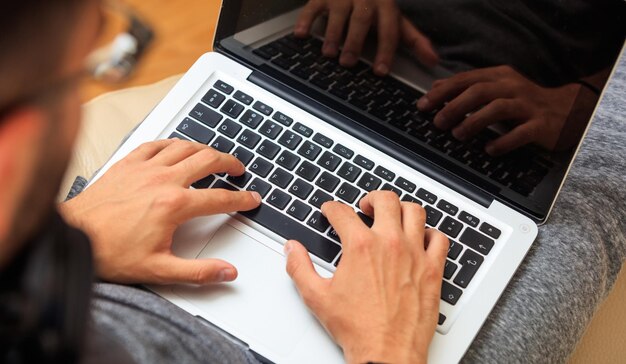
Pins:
x: 500, y: 94
x: 131, y: 213
x: 362, y: 14
x: 382, y: 304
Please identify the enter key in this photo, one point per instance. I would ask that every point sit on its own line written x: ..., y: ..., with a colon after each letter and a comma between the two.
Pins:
x: 470, y: 262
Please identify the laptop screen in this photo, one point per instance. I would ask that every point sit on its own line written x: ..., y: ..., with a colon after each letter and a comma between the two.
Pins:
x: 506, y: 90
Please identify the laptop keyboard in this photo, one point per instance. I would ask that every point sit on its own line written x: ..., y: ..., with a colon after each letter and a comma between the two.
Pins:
x: 296, y: 169
x: 393, y: 102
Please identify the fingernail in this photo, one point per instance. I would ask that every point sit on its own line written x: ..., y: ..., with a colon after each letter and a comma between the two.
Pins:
x: 329, y: 48
x: 490, y: 149
x: 348, y: 58
x: 459, y: 134
x: 288, y: 247
x: 382, y: 69
x: 226, y: 274
x: 300, y: 29
x: 441, y: 121
x: 423, y: 103
x: 256, y: 196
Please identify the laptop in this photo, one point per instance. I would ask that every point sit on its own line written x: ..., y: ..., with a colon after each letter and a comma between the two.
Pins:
x: 310, y: 131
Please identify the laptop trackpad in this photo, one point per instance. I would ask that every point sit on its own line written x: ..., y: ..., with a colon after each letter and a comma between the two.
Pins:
x: 262, y: 305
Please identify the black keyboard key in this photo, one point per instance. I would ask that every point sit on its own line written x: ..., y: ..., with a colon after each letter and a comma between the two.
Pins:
x: 450, y: 293
x: 223, y: 185
x: 447, y: 207
x: 369, y: 182
x: 337, y: 261
x: 307, y: 171
x: 323, y: 140
x: 244, y: 155
x: 279, y: 199
x: 332, y: 233
x: 426, y: 196
x: 343, y: 151
x: 299, y: 210
x: 282, y: 118
x: 205, y: 115
x: 329, y: 161
x: 349, y: 171
x: 368, y: 221
x: 451, y: 227
x: 301, y: 189
x: 405, y: 184
x: 432, y: 215
x: 319, y: 197
x: 243, y: 98
x: 229, y: 128
x: 251, y: 119
x: 249, y: 138
x: 268, y: 149
x: 316, y: 244
x: 384, y: 173
x: 409, y: 198
x: 327, y: 181
x: 347, y: 192
x: 288, y: 160
x: 223, y: 86
x: 196, y: 131
x: 213, y: 98
x: 270, y: 129
x: 303, y: 129
x: 290, y: 140
x: 262, y: 108
x: 490, y: 230
x: 476, y: 241
x: 454, y: 250
x: 232, y: 109
x: 441, y: 320
x: 261, y: 167
x: 281, y: 178
x: 240, y: 181
x: 389, y: 187
x: 309, y: 150
x: 363, y: 162
x: 259, y: 186
x: 318, y: 222
x: 470, y: 262
x: 222, y: 144
x: 176, y: 135
x: 468, y: 219
x: 449, y: 269
x: 205, y: 182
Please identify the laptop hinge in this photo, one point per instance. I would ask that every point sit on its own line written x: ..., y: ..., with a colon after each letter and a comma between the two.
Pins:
x: 351, y: 127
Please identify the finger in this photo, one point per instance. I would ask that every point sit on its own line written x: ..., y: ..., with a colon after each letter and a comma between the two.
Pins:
x: 176, y: 152
x: 204, y: 202
x: 413, y: 221
x: 418, y: 43
x: 470, y: 100
x: 334, y: 29
x: 148, y: 150
x: 384, y: 206
x: 388, y: 30
x: 205, y: 162
x: 437, y: 246
x: 360, y: 22
x: 496, y: 111
x: 521, y: 135
x: 343, y: 219
x: 446, y: 89
x: 307, y: 16
x: 174, y: 270
x: 300, y: 269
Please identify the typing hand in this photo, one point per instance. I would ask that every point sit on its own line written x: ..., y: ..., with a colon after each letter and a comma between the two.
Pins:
x: 361, y: 15
x: 382, y: 304
x: 131, y: 213
x: 500, y: 94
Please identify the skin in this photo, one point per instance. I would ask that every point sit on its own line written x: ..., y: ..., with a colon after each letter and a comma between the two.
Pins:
x: 360, y: 16
x: 388, y: 281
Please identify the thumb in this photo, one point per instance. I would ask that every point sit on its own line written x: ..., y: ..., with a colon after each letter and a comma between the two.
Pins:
x: 300, y: 269
x: 174, y: 270
x: 419, y: 44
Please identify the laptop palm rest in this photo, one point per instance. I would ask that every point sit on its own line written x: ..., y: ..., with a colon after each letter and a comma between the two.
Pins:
x: 261, y: 307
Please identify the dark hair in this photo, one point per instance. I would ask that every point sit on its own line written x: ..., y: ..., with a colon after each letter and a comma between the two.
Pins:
x: 34, y: 35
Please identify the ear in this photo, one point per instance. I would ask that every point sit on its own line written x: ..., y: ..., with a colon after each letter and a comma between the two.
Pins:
x: 21, y: 134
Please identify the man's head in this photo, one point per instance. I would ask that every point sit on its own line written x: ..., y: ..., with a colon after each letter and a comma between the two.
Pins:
x: 44, y: 44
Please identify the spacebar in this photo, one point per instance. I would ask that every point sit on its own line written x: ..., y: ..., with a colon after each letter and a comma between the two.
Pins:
x: 289, y: 229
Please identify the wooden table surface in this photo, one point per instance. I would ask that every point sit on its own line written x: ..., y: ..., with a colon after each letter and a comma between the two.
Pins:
x: 184, y: 30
